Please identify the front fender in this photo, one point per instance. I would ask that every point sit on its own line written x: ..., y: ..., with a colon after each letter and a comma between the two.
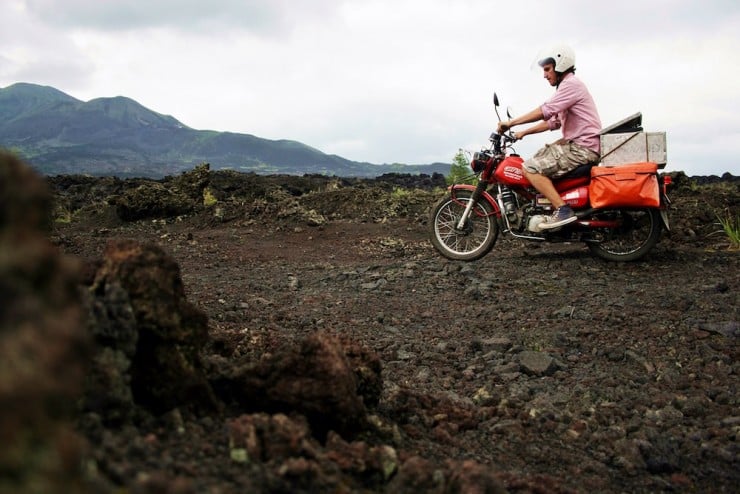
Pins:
x: 485, y: 196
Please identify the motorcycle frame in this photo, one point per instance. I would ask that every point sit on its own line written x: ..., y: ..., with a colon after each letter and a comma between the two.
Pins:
x: 480, y: 192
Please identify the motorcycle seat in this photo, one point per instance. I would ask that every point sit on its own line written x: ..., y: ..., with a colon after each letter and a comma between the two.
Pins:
x: 580, y: 175
x: 583, y: 170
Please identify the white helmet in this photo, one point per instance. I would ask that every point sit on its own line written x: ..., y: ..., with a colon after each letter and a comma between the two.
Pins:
x: 561, y: 55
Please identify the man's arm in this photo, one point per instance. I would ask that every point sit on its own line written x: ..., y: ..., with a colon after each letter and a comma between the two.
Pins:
x: 529, y: 117
x: 535, y: 129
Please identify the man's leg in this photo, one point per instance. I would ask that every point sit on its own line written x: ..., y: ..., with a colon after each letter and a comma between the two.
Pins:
x: 545, y: 187
x: 552, y: 160
x: 563, y: 214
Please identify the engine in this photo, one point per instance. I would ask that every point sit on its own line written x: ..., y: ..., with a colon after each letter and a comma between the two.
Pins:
x: 534, y: 221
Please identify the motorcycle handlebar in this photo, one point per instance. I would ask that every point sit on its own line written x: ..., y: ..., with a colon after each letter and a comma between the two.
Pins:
x: 507, y: 137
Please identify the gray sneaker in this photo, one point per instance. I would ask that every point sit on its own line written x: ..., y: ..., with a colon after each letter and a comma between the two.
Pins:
x: 560, y: 217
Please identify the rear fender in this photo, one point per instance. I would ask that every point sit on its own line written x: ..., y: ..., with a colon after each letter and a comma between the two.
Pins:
x: 664, y: 219
x: 471, y: 188
x: 665, y: 182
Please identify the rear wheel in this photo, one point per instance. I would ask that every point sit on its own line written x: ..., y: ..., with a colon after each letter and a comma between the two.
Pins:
x: 637, y: 233
x: 474, y: 240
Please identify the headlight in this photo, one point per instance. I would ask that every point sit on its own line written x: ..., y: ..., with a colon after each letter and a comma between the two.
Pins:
x: 479, y: 162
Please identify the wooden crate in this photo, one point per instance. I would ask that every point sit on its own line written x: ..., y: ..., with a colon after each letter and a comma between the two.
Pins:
x: 633, y: 147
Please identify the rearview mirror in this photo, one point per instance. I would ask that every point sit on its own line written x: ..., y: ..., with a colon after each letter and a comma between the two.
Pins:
x: 495, y: 99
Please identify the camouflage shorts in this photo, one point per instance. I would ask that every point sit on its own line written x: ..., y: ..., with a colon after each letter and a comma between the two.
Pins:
x: 559, y: 158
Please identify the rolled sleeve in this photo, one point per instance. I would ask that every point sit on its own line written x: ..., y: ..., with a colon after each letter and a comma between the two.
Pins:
x: 547, y: 112
x: 553, y: 120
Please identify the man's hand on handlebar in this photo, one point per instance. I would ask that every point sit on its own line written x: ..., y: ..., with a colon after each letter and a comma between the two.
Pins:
x: 506, y: 126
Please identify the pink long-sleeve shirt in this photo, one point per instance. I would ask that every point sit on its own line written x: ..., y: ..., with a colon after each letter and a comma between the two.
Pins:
x: 573, y: 109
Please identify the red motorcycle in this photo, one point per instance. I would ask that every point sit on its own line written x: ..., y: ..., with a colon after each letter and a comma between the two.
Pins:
x: 616, y: 225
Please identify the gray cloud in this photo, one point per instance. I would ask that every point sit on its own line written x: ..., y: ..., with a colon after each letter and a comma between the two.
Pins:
x: 264, y: 16
x: 388, y: 80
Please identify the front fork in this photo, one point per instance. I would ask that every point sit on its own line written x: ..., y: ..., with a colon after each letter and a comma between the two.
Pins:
x: 477, y: 193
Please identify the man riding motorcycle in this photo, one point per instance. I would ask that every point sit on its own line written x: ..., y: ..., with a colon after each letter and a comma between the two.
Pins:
x: 571, y: 109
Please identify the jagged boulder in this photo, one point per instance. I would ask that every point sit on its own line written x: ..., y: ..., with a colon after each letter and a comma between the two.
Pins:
x: 317, y: 378
x: 157, y: 199
x: 43, y: 344
x: 192, y: 183
x: 112, y: 324
x: 148, y: 335
x: 294, y: 461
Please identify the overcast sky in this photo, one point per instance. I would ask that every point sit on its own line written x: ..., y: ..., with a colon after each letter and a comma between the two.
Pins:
x: 385, y: 81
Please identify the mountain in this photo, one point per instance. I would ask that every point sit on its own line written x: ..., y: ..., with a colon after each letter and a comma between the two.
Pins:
x: 59, y: 134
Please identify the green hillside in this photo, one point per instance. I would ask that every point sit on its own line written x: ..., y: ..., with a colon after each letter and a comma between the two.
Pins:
x: 58, y: 134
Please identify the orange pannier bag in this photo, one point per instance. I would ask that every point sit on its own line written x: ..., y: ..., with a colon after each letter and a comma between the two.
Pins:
x: 629, y: 185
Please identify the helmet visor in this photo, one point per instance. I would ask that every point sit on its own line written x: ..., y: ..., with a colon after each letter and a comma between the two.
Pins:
x: 560, y: 56
x: 544, y: 56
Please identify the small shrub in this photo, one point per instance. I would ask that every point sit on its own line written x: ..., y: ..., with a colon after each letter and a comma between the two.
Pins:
x: 460, y: 171
x: 731, y: 227
x: 401, y: 193
x: 208, y: 198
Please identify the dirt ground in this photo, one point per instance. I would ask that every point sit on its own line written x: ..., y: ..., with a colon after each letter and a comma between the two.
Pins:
x: 544, y: 368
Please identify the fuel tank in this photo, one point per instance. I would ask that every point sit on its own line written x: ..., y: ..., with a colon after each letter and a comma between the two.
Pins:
x: 509, y: 172
x: 574, y: 191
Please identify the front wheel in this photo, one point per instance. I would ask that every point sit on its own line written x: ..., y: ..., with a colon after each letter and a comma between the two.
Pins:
x: 635, y: 234
x: 469, y: 243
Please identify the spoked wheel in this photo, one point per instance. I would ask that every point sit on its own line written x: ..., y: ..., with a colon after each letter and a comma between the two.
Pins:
x: 637, y: 233
x: 474, y: 240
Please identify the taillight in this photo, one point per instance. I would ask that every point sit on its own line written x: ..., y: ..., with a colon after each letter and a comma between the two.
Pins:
x: 667, y: 181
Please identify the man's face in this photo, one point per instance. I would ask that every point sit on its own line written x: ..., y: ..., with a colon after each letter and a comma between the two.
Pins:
x: 548, y: 71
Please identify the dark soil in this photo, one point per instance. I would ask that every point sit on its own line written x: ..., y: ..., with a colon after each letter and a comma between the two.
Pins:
x: 536, y: 369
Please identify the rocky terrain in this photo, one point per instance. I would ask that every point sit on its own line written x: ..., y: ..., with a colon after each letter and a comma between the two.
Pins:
x: 220, y: 333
